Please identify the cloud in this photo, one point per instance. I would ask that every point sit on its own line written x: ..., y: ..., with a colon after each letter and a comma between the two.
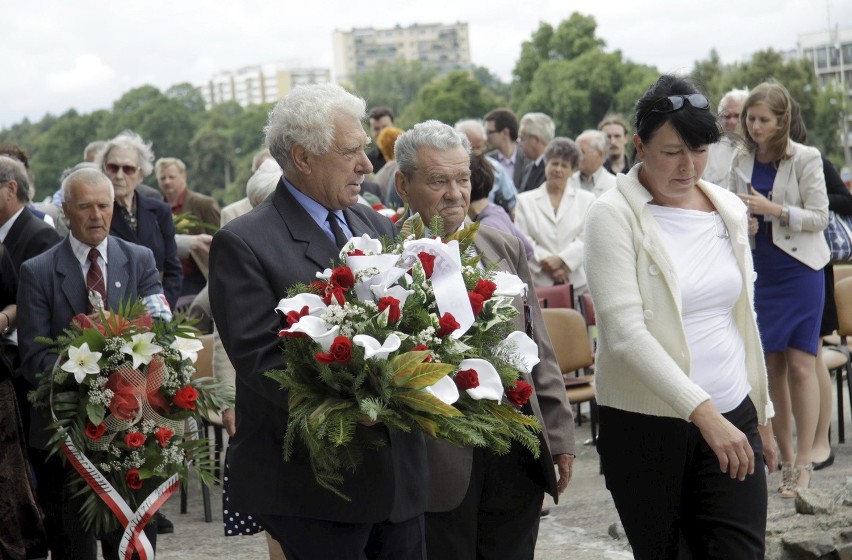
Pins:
x: 89, y: 72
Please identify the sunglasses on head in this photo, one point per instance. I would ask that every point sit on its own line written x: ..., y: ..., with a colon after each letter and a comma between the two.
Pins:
x: 674, y: 103
x: 126, y: 169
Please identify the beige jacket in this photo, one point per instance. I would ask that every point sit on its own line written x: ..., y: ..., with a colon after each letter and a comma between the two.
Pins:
x: 642, y: 360
x: 800, y: 185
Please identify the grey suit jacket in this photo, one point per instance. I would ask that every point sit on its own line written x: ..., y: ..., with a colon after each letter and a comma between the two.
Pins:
x: 52, y: 290
x: 450, y: 465
x: 253, y: 261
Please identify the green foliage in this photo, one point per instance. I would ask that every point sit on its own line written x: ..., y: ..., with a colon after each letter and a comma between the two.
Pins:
x: 393, y: 85
x: 456, y: 96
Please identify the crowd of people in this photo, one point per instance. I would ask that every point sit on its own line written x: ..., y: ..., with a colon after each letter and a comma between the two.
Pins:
x: 699, y: 367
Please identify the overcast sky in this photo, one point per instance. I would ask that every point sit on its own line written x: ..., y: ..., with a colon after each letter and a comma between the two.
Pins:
x: 58, y: 55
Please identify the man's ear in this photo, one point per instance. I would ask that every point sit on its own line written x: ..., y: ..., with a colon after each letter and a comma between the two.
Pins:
x: 13, y: 188
x: 301, y: 159
x: 402, y: 186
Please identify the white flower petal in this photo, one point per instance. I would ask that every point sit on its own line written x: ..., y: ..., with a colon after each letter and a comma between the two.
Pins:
x: 141, y: 348
x: 523, y: 348
x: 316, y: 306
x: 445, y: 389
x: 508, y: 284
x: 490, y: 385
x: 397, y: 292
x: 188, y: 347
x: 366, y: 244
x: 372, y: 348
x: 82, y: 362
x: 317, y: 329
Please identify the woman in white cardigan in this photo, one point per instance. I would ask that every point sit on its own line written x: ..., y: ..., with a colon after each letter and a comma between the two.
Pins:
x: 783, y: 184
x: 553, y: 216
x: 680, y: 378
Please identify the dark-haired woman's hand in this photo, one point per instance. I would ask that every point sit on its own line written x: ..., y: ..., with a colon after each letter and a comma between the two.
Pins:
x: 730, y: 445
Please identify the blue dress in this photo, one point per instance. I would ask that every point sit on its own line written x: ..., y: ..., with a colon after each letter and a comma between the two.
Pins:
x: 788, y: 295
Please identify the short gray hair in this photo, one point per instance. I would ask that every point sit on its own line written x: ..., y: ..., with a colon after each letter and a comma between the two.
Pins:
x: 129, y: 140
x: 87, y: 176
x: 563, y: 148
x: 539, y: 125
x: 474, y: 125
x: 734, y: 95
x: 305, y: 116
x: 95, y: 146
x: 259, y: 158
x: 12, y: 169
x: 595, y: 138
x: 430, y: 134
x: 164, y: 162
x: 82, y: 165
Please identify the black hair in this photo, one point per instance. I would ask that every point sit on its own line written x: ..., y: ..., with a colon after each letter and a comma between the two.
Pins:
x: 481, y: 177
x: 696, y: 127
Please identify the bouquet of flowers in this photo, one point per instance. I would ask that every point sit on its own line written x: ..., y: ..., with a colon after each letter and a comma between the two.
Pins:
x: 413, y: 334
x: 125, y: 408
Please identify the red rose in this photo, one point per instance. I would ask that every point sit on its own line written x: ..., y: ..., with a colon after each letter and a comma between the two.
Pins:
x: 420, y: 348
x: 134, y: 439
x: 467, y: 379
x: 476, y: 302
x: 125, y: 403
x: 132, y: 479
x: 294, y: 316
x: 163, y: 435
x: 395, y: 218
x: 339, y: 352
x: 283, y: 332
x: 392, y: 305
x: 336, y: 293
x: 342, y: 277
x: 378, y: 206
x: 520, y: 394
x: 186, y: 397
x: 95, y: 432
x: 428, y: 262
x: 355, y: 253
x: 447, y: 324
x: 485, y: 288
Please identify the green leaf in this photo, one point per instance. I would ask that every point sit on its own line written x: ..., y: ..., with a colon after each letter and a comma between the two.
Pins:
x: 95, y: 412
x: 405, y: 366
x: 425, y: 375
x: 425, y: 402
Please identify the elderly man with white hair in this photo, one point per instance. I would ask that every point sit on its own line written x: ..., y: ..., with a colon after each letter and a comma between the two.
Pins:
x: 722, y: 152
x: 591, y: 175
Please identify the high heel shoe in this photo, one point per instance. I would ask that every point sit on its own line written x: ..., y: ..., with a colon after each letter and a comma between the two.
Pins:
x: 789, y: 476
x: 802, y: 469
x: 818, y: 466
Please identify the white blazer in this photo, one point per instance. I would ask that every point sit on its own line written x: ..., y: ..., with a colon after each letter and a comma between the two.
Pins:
x: 559, y: 233
x: 800, y: 184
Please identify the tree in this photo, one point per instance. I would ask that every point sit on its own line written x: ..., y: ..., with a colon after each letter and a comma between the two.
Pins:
x: 708, y: 75
x: 456, y: 96
x: 393, y: 85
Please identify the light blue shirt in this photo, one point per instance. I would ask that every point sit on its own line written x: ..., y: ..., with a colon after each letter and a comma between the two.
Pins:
x: 318, y: 212
x: 503, y: 184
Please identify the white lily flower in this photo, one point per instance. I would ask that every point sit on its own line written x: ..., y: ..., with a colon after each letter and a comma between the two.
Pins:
x: 141, y: 349
x: 490, y: 386
x: 372, y: 347
x: 317, y: 329
x: 508, y: 284
x: 188, y: 347
x: 445, y: 390
x: 316, y: 306
x: 524, y: 348
x: 82, y: 362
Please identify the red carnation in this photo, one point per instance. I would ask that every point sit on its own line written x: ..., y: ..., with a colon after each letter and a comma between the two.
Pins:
x: 163, y: 435
x: 342, y: 277
x: 335, y: 293
x: 132, y: 479
x: 520, y: 394
x: 420, y: 348
x: 476, y: 302
x: 95, y: 432
x: 186, y: 397
x: 447, y: 324
x: 339, y: 352
x: 355, y: 253
x: 134, y: 439
x: 392, y: 305
x: 485, y: 288
x: 428, y: 262
x: 467, y: 379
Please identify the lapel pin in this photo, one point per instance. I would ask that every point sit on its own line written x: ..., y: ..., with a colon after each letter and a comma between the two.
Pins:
x: 118, y: 284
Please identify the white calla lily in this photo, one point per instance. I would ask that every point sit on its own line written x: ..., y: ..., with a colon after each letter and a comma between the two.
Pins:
x: 445, y: 390
x: 188, y: 347
x: 141, y: 348
x: 508, y: 284
x: 375, y: 350
x: 316, y: 306
x: 365, y: 244
x: 523, y: 348
x: 317, y: 329
x: 397, y: 292
x: 82, y: 362
x: 490, y: 386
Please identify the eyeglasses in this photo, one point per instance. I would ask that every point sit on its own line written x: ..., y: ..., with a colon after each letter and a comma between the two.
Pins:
x: 127, y: 169
x: 674, y: 103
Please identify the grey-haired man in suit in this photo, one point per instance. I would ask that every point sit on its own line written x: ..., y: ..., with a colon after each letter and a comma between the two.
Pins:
x: 316, y: 136
x: 474, y: 495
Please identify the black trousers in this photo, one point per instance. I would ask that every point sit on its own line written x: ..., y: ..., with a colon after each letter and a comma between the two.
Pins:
x: 672, y: 499
x: 302, y: 538
x: 499, y: 515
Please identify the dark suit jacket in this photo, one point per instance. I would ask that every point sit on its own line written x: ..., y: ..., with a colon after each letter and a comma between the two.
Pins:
x: 202, y: 207
x: 450, y: 465
x: 155, y: 230
x: 29, y: 237
x: 254, y: 259
x: 533, y: 176
x: 52, y: 290
x: 520, y: 163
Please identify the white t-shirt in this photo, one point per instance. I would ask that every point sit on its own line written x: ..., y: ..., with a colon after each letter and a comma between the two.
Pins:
x: 710, y: 283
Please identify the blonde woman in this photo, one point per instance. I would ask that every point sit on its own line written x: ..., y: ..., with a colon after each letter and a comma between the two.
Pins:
x: 783, y: 185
